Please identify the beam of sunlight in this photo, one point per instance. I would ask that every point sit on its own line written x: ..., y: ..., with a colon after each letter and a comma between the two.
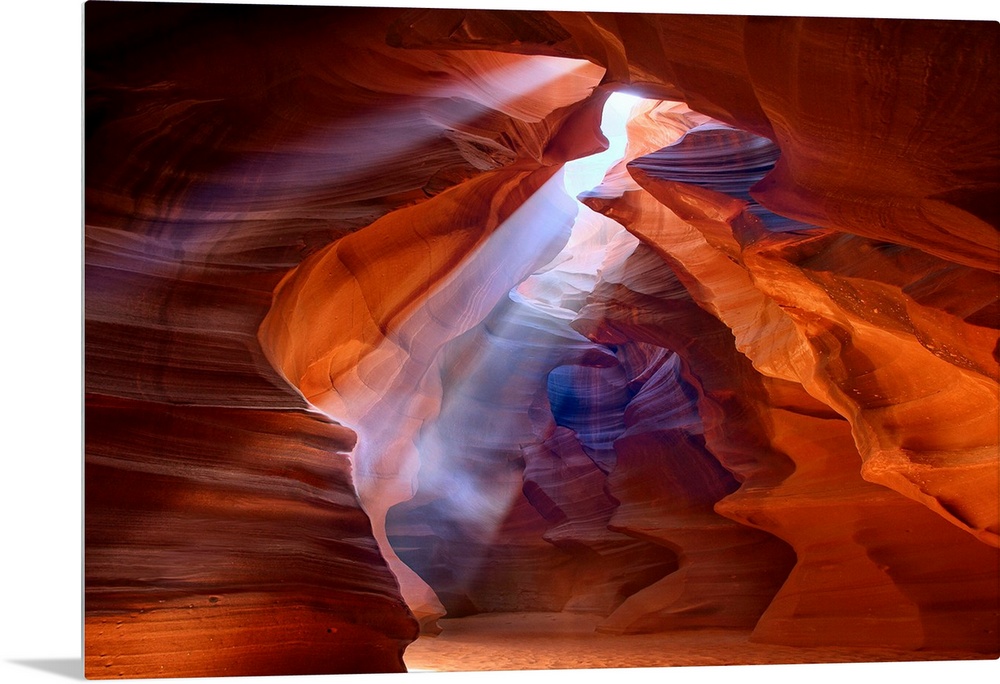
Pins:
x: 345, y: 158
x: 394, y: 391
x: 397, y: 390
x: 491, y: 379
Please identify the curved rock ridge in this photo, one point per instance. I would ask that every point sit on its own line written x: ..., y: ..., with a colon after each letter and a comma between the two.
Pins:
x: 726, y: 234
x: 564, y: 483
x: 800, y: 480
x: 667, y: 483
x: 945, y: 461
x: 830, y: 317
x: 648, y: 304
x: 708, y: 239
x: 722, y: 159
x: 708, y: 236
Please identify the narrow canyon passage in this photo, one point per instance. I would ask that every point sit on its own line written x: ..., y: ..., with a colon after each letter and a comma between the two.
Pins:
x: 511, y: 510
x: 540, y: 450
x: 385, y: 370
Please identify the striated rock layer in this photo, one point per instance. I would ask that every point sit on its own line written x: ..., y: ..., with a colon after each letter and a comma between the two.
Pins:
x: 355, y: 360
x: 217, y: 534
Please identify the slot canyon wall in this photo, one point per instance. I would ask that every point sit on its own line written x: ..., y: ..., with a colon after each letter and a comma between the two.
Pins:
x: 355, y: 361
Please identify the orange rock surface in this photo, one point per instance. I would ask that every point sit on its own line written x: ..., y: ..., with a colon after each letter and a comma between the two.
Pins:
x: 356, y: 361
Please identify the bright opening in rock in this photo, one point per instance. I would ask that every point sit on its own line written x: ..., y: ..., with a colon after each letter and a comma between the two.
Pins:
x: 586, y: 173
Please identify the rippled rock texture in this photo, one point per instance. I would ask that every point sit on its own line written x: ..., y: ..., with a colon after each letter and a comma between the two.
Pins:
x: 356, y: 360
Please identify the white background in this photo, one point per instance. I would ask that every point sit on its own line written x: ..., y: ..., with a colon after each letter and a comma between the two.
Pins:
x: 41, y: 314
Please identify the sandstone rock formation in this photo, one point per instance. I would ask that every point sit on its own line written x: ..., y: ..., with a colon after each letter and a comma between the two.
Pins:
x: 355, y: 360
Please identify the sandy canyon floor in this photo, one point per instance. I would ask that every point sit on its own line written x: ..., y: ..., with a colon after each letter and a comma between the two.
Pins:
x: 546, y: 641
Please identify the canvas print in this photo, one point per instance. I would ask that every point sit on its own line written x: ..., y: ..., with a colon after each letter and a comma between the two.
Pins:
x: 436, y: 339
